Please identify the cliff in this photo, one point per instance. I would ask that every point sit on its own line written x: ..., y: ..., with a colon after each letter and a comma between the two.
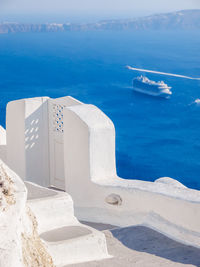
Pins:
x: 181, y: 20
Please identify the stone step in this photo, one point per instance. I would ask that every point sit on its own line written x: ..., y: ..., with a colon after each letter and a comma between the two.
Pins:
x: 52, y: 208
x: 75, y: 244
x: 67, y: 240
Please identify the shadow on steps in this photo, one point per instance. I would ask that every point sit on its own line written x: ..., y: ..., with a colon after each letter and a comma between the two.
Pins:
x: 146, y: 240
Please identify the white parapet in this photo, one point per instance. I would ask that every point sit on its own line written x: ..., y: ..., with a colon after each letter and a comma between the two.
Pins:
x: 69, y: 145
x: 35, y: 139
x: 2, y: 136
x: 27, y: 138
x: 3, y: 155
x: 101, y: 196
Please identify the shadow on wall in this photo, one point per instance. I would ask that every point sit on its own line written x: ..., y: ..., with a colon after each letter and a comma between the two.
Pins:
x: 144, y: 239
x: 3, y: 153
x: 32, y: 133
x: 37, y: 141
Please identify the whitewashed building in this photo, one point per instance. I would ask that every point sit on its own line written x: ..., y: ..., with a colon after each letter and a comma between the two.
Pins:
x: 68, y: 145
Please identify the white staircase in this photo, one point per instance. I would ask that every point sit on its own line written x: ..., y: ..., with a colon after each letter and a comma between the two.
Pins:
x: 67, y: 240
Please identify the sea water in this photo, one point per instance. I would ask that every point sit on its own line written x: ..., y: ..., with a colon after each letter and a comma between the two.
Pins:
x: 155, y: 137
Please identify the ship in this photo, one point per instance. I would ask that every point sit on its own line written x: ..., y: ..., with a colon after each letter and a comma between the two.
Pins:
x: 143, y: 85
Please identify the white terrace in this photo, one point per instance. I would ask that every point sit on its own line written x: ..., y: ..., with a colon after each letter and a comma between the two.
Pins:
x: 67, y: 145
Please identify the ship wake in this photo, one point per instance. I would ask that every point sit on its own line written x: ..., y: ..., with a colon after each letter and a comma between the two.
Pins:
x: 163, y: 73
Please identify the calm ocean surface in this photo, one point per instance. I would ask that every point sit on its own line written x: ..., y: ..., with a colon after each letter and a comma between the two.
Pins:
x: 154, y: 137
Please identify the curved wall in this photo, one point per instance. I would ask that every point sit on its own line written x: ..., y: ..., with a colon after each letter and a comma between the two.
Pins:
x: 100, y: 195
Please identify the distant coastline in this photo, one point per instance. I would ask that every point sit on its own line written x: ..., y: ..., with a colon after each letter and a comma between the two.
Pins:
x: 180, y: 20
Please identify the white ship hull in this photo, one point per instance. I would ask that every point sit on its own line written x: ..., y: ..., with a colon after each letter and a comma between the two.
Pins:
x: 159, y: 94
x: 145, y: 86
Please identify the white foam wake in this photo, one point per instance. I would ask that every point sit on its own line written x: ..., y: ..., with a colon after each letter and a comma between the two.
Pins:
x: 163, y: 73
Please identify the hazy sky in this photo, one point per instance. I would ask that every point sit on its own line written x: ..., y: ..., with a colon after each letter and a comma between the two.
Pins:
x: 101, y: 8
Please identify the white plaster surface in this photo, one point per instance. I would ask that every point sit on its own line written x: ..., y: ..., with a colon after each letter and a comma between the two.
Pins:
x: 34, y: 147
x: 62, y: 239
x: 2, y: 136
x: 53, y: 209
x: 56, y: 152
x: 80, y: 158
x: 66, y: 239
x: 142, y: 247
x: 3, y: 155
x: 35, y: 152
x: 27, y: 139
x: 165, y: 205
x: 74, y: 244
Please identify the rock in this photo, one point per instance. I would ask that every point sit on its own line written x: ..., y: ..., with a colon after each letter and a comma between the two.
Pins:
x: 114, y: 199
x: 20, y: 245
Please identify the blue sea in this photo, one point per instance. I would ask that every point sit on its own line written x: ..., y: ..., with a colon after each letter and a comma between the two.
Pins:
x: 155, y: 137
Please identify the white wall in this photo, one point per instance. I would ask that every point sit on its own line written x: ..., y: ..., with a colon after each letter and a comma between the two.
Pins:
x: 91, y: 180
x: 56, y: 152
x: 3, y: 152
x: 27, y: 139
x: 34, y: 150
x: 86, y: 163
x: 15, y: 129
x: 2, y: 136
x: 37, y: 140
x: 89, y: 146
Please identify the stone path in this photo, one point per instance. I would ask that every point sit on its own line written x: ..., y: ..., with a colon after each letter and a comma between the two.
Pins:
x: 140, y: 246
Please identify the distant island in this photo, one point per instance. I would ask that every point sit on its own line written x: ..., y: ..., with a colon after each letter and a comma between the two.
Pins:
x: 180, y: 20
